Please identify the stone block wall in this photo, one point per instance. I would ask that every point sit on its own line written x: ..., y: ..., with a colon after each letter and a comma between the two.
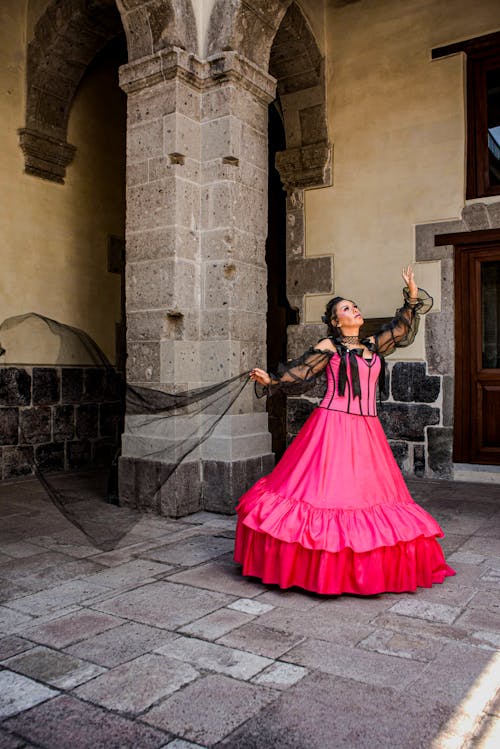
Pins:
x: 412, y: 414
x: 63, y: 418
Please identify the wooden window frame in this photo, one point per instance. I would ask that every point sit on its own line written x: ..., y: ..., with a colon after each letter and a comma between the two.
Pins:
x: 482, y: 54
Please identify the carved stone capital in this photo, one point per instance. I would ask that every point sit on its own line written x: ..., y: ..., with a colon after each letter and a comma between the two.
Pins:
x: 173, y: 63
x: 45, y: 156
x: 305, y: 166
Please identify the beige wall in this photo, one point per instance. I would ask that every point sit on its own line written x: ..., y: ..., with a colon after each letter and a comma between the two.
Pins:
x: 396, y: 120
x: 53, y: 238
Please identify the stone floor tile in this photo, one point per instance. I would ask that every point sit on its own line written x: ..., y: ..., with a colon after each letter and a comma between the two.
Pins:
x: 17, y: 693
x: 318, y: 623
x: 77, y: 550
x: 290, y: 599
x: 43, y: 602
x: 402, y: 645
x: 10, y: 590
x: 66, y: 630
x: 480, y: 544
x: 465, y: 557
x: 248, y: 606
x: 9, y: 741
x: 12, y: 621
x: 53, y: 668
x: 492, y: 639
x: 17, y: 568
x: 136, y: 685
x: 451, y: 543
x: 130, y: 573
x: 362, y: 609
x: 209, y: 709
x: 192, y: 551
x: 421, y: 627
x: 120, y: 644
x: 261, y: 640
x: 330, y: 712
x: 49, y: 578
x: 181, y: 744
x: 214, y: 625
x: 211, y: 657
x: 455, y: 675
x: 164, y: 604
x: 12, y: 645
x: 280, y: 675
x: 69, y: 723
x: 354, y: 663
x: 221, y: 575
x: 452, y: 594
x: 422, y: 609
x: 21, y: 549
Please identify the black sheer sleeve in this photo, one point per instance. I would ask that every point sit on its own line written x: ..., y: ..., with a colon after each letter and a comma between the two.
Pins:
x: 402, y: 329
x: 298, y: 375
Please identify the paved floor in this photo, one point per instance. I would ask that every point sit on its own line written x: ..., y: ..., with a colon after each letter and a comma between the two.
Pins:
x: 160, y: 642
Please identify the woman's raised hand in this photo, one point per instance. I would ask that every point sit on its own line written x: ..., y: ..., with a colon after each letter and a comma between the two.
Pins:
x: 409, y: 279
x: 260, y: 376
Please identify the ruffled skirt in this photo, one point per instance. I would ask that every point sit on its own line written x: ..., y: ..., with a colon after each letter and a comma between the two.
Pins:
x: 335, y: 516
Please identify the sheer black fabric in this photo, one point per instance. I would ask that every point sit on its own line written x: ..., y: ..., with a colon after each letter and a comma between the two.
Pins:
x: 89, y: 499
x: 298, y: 375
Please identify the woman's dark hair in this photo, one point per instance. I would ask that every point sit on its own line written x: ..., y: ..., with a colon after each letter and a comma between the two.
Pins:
x: 333, y: 330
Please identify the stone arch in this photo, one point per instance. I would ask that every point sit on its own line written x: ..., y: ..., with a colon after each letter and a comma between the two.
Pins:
x: 67, y: 37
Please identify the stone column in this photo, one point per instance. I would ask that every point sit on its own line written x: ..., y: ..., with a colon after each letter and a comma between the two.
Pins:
x: 234, y: 126
x: 196, y: 276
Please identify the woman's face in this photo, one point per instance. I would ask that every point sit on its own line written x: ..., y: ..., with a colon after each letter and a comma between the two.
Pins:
x: 347, y: 315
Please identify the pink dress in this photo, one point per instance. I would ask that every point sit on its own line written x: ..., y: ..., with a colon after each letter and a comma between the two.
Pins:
x: 335, y: 515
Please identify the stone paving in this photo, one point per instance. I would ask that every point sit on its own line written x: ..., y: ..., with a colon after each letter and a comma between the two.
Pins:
x: 160, y: 642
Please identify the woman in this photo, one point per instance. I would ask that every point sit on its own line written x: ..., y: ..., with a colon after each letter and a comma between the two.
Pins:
x: 335, y: 515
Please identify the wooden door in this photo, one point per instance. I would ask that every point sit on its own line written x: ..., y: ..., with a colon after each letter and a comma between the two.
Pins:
x: 477, y: 365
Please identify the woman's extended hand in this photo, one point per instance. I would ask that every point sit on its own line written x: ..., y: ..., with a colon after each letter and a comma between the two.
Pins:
x: 409, y: 279
x: 260, y: 376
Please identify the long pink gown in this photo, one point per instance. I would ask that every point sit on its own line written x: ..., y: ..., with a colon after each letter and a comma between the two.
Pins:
x: 335, y: 515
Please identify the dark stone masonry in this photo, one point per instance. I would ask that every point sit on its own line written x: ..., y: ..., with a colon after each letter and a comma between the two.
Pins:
x: 63, y: 418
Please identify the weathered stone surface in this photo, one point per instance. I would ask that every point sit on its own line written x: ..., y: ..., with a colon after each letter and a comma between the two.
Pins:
x: 53, y: 668
x: 425, y: 239
x: 411, y: 384
x: 192, y: 551
x: 164, y: 605
x: 440, y: 442
x: 439, y: 342
x: 475, y: 217
x: 50, y: 457
x: 68, y: 629
x: 419, y: 460
x: 34, y: 424
x: 88, y: 726
x: 120, y: 644
x: 221, y: 575
x: 18, y: 693
x: 400, y: 451
x: 213, y: 626
x: 132, y: 687
x: 224, y: 482
x: 261, y: 640
x: 401, y: 421
x: 63, y: 422
x: 448, y: 408
x: 9, y: 425
x: 209, y: 709
x: 94, y: 384
x: 15, y: 387
x: 17, y: 461
x: 71, y: 385
x: 87, y: 421
x: 46, y: 385
x: 214, y: 657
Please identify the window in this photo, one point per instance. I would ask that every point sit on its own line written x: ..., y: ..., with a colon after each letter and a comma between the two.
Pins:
x: 483, y: 112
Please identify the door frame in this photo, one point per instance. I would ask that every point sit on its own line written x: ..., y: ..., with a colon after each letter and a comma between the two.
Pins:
x: 465, y: 445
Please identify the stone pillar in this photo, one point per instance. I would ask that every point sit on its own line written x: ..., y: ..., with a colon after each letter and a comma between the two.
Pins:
x: 196, y: 275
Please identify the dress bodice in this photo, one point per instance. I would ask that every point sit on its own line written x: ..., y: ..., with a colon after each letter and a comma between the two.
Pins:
x: 366, y: 404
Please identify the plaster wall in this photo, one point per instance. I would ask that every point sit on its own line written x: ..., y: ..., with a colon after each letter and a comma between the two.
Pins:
x: 53, y: 238
x: 397, y: 123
